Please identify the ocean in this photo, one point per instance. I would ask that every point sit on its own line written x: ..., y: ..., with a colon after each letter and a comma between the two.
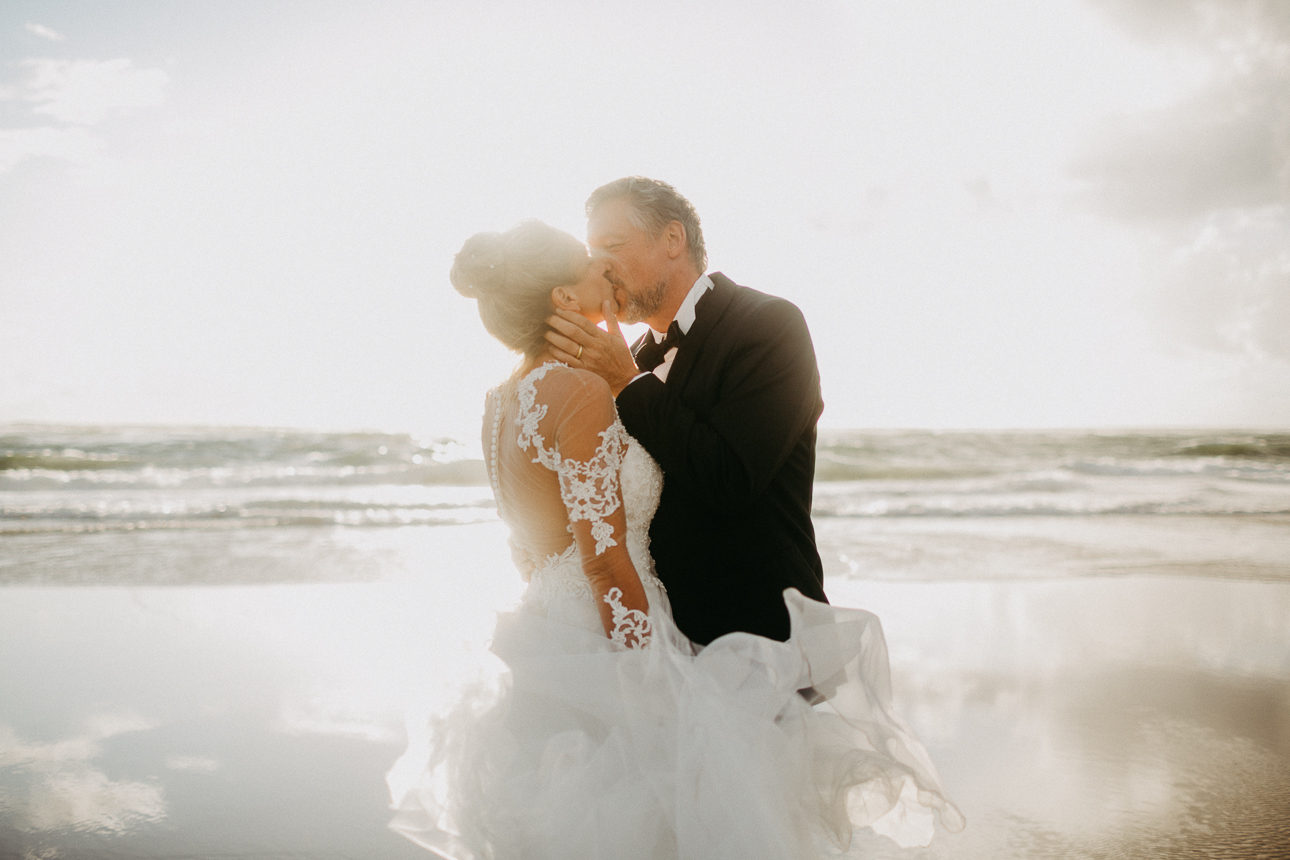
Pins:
x: 967, y: 495
x: 212, y: 639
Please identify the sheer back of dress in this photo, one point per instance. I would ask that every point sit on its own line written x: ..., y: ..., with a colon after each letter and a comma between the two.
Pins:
x: 554, y: 448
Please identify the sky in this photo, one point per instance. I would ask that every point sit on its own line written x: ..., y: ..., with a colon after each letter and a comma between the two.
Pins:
x: 994, y: 214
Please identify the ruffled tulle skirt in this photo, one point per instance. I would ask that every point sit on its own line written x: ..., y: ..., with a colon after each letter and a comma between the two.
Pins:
x: 589, y: 750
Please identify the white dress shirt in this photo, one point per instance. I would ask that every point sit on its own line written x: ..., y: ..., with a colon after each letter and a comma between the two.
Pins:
x: 684, y: 321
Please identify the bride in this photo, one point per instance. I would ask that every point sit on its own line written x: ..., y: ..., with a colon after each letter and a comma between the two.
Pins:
x: 612, y: 736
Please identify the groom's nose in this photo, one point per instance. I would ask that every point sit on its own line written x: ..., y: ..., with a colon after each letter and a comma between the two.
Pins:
x: 611, y: 270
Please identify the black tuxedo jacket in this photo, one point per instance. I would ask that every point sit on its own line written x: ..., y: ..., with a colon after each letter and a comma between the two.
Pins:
x: 734, y: 431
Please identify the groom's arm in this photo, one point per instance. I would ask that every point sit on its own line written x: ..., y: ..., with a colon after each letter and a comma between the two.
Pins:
x: 769, y: 396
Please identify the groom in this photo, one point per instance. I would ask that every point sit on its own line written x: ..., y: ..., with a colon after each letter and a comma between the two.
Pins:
x: 724, y: 393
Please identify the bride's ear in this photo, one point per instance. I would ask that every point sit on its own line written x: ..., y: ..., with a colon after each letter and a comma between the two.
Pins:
x: 563, y: 297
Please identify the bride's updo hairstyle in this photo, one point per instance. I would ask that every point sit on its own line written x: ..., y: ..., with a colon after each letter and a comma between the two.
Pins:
x: 512, y: 274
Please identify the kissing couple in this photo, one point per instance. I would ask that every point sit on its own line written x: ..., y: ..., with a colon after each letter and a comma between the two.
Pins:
x: 678, y: 685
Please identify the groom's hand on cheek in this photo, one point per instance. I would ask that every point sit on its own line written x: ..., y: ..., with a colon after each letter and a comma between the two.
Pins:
x: 577, y: 342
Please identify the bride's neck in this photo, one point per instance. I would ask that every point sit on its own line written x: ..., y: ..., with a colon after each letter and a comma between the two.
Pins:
x: 536, y: 361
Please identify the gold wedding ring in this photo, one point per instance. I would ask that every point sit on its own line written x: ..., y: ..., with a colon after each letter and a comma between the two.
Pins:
x: 579, y: 355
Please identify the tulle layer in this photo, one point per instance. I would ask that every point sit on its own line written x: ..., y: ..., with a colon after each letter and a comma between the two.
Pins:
x: 589, y: 750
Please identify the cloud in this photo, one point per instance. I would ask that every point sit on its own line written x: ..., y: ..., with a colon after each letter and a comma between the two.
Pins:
x: 1228, y: 289
x: 75, y: 145
x: 85, y: 92
x: 1198, y: 22
x: 45, y: 32
x: 1211, y: 174
x: 1225, y: 146
x: 192, y: 763
x: 78, y: 94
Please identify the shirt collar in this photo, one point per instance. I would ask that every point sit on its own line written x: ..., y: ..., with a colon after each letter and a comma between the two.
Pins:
x: 685, y: 313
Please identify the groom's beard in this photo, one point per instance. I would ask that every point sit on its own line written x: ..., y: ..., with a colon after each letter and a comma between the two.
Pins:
x: 642, y: 305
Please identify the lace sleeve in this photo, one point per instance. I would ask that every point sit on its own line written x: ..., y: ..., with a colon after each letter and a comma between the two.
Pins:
x: 587, y: 454
x: 590, y: 490
x: 587, y: 444
x: 632, y: 627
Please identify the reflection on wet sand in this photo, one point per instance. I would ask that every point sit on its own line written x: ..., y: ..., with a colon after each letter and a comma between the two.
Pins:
x: 50, y: 787
x: 1129, y: 763
x: 1125, y: 717
x: 1136, y: 716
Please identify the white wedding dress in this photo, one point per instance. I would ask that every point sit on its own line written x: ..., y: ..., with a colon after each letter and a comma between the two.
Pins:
x: 592, y: 748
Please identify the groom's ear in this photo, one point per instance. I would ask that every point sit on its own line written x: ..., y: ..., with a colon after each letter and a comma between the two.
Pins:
x: 674, y: 237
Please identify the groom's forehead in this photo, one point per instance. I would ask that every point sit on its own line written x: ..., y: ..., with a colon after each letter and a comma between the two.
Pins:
x: 597, y: 236
x: 610, y: 221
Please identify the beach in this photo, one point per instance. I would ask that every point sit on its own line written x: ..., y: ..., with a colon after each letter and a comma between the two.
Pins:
x: 211, y: 642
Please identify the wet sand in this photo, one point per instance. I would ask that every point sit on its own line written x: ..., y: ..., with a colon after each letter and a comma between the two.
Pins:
x: 1129, y: 717
x: 1072, y: 712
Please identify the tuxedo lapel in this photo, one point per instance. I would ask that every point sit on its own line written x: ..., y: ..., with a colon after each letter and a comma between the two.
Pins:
x: 707, y: 313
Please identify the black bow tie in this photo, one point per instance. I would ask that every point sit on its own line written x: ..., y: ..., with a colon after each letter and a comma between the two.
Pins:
x: 651, y: 354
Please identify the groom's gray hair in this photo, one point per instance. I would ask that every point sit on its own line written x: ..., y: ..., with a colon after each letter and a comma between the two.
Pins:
x: 654, y: 205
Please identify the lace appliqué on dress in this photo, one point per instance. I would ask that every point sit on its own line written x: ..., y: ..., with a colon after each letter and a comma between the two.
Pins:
x: 590, y: 490
x: 631, y: 623
x: 529, y: 414
x: 559, y: 576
